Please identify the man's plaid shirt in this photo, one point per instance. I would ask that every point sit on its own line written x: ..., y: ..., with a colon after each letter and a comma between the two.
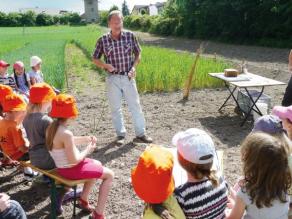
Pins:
x: 119, y: 53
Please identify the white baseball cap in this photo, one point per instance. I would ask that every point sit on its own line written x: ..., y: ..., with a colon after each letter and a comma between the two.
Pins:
x: 195, y: 146
x: 34, y: 60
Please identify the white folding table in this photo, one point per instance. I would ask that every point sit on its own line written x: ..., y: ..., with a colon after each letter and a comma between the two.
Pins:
x: 245, y: 81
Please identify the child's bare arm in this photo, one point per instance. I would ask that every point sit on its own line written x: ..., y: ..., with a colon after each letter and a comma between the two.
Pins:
x: 237, y: 211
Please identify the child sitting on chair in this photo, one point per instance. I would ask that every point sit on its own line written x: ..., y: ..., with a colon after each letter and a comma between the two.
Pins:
x: 205, y: 194
x: 71, y: 163
x: 153, y: 182
x: 12, y: 141
x: 36, y: 123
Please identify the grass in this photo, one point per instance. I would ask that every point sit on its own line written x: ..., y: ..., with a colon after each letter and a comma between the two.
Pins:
x: 46, y: 42
x: 160, y: 69
x: 167, y: 70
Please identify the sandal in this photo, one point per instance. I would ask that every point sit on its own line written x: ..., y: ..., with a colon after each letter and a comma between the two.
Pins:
x: 9, y: 163
x: 95, y: 215
x: 85, y: 206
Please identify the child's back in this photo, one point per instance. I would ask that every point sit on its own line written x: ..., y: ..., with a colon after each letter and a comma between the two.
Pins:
x: 11, y: 139
x: 263, y: 190
x: 35, y: 125
x: 278, y: 209
x: 202, y: 199
x: 205, y: 194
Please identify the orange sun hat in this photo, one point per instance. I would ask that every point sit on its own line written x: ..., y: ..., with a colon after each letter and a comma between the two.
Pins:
x: 4, y: 91
x: 64, y: 106
x: 152, y: 178
x: 13, y: 102
x: 41, y: 93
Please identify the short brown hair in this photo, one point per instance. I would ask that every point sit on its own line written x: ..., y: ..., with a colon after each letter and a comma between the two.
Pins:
x: 199, y: 171
x: 265, y: 167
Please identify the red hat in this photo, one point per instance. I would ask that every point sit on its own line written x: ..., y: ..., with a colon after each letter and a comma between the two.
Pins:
x: 4, y: 91
x: 64, y: 106
x: 41, y: 93
x: 13, y: 102
x: 18, y: 65
x: 152, y: 178
x: 4, y: 64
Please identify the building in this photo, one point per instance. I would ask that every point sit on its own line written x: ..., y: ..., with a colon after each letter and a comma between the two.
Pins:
x: 49, y: 11
x: 91, y: 11
x: 152, y: 9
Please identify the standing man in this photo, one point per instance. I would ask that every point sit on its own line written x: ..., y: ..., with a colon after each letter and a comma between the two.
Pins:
x: 122, y: 54
x: 287, y: 99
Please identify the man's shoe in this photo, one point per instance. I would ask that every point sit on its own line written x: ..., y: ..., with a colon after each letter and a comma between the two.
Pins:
x: 120, y: 140
x: 143, y: 139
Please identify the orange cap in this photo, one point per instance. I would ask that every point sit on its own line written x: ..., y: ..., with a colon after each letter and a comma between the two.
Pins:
x: 4, y: 91
x: 41, y: 93
x: 64, y: 106
x: 152, y: 178
x: 13, y: 102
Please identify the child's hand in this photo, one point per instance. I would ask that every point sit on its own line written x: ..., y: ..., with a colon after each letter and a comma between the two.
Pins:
x: 93, y: 139
x: 91, y: 147
x: 4, y: 202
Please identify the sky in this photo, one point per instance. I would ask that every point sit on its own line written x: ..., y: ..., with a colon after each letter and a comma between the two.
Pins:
x: 70, y: 5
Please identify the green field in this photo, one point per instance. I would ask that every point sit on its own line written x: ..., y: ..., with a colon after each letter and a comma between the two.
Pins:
x: 160, y: 69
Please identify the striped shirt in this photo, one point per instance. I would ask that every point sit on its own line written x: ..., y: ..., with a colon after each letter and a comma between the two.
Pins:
x: 200, y: 200
x: 119, y: 53
x: 8, y: 80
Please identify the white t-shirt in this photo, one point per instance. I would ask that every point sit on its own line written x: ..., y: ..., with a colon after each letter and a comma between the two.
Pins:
x: 38, y: 76
x: 278, y: 210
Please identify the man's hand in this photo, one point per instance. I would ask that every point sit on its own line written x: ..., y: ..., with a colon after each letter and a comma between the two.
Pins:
x: 4, y: 202
x: 132, y: 73
x: 109, y: 68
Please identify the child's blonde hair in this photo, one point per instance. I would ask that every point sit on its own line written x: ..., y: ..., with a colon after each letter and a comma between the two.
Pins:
x: 33, y: 107
x: 265, y: 167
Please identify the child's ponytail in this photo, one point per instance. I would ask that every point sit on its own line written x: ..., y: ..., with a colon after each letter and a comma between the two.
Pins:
x: 213, y: 178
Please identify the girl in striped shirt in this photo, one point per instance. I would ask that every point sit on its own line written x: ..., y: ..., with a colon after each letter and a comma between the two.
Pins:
x: 205, y: 194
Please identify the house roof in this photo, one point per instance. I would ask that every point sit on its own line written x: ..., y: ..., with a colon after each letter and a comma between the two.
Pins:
x: 140, y: 6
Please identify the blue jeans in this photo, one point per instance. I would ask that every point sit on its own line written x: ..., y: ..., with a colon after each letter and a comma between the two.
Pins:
x: 15, y: 211
x: 119, y: 86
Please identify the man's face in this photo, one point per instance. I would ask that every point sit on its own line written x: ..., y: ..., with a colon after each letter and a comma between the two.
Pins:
x: 116, y: 24
x: 3, y: 70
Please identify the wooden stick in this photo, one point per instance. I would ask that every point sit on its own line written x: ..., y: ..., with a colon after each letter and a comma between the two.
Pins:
x: 188, y: 84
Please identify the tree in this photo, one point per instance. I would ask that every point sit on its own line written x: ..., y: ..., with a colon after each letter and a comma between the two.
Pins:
x: 44, y: 19
x: 74, y: 18
x: 114, y: 8
x: 125, y: 9
x: 64, y: 19
x: 3, y: 19
x: 28, y: 18
x: 13, y: 20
